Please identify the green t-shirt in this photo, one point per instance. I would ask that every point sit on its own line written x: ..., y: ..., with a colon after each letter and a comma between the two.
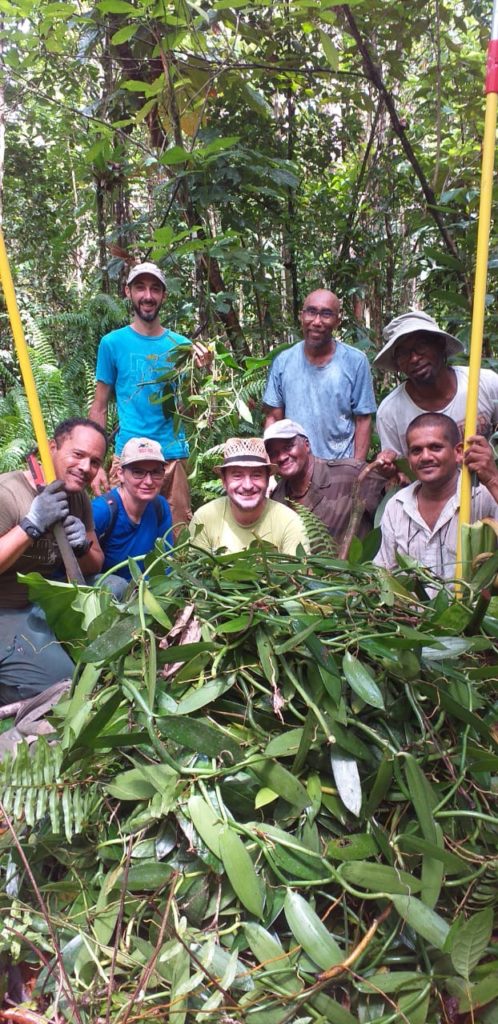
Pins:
x: 16, y: 495
x: 213, y: 526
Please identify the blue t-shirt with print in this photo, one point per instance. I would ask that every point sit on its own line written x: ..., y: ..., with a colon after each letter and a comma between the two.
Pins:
x: 131, y: 363
x: 323, y: 399
x: 128, y: 539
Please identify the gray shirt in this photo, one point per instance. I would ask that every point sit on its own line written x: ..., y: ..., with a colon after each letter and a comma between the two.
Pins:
x: 323, y: 399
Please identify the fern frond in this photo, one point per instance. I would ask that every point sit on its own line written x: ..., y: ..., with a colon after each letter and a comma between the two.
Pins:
x: 32, y: 788
x: 321, y: 542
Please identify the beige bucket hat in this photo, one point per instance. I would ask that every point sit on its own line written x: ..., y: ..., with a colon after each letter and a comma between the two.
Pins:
x: 405, y: 324
x: 245, y: 451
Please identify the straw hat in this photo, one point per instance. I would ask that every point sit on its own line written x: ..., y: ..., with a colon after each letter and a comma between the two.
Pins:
x: 245, y: 451
x: 405, y: 324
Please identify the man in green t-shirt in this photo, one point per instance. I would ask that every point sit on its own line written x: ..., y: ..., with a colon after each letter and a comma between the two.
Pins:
x: 246, y: 514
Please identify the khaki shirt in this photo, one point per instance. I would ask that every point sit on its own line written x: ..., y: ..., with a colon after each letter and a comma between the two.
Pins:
x: 404, y: 531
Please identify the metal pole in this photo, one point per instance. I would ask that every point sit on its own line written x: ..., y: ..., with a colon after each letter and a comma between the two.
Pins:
x: 481, y: 271
x: 72, y: 567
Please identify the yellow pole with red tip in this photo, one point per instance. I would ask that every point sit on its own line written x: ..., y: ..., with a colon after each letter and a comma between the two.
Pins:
x: 481, y: 272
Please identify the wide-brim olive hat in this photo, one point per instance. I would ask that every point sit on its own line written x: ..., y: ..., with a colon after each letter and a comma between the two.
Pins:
x: 245, y: 451
x: 405, y: 324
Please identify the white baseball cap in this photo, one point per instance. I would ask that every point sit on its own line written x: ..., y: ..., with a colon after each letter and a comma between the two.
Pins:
x: 146, y: 268
x: 284, y: 430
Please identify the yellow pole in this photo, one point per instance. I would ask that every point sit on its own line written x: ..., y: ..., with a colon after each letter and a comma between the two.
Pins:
x: 25, y: 364
x: 481, y: 271
x: 69, y: 558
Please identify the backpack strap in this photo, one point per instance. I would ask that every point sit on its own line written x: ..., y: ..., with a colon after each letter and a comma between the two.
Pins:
x: 159, y: 510
x: 113, y: 514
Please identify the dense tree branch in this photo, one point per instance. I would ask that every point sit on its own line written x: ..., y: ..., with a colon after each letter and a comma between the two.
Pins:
x: 375, y: 76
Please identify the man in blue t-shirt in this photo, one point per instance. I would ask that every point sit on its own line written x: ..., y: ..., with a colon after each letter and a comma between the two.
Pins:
x: 131, y: 517
x: 323, y: 384
x: 129, y: 363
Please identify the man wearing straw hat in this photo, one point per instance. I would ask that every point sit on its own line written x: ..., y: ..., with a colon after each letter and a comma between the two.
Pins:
x: 246, y: 514
x: 418, y: 348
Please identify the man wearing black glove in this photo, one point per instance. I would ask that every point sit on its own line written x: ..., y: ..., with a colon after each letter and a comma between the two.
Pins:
x: 30, y: 657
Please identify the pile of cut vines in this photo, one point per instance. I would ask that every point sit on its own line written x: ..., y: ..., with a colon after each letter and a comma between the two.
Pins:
x: 272, y: 799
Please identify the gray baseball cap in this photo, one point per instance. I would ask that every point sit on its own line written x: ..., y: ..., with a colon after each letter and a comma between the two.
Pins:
x: 405, y: 324
x: 146, y: 268
x: 283, y: 430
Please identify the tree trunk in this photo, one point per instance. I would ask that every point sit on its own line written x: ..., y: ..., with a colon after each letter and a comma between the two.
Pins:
x: 374, y: 75
x: 100, y: 193
x: 228, y: 318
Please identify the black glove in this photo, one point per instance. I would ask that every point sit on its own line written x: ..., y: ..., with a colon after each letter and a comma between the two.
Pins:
x: 76, y: 534
x: 49, y: 507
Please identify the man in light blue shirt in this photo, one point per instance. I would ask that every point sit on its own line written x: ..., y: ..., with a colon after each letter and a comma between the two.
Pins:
x: 130, y: 363
x: 323, y: 384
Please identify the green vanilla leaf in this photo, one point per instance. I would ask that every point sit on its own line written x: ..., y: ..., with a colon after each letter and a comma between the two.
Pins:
x: 240, y: 870
x: 361, y: 681
x: 310, y: 932
x: 422, y: 919
x: 379, y: 877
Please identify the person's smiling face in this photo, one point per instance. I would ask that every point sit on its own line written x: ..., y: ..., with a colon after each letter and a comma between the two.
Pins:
x: 246, y: 487
x: 432, y: 457
x: 291, y: 455
x: 320, y: 317
x: 146, y: 294
x: 79, y: 457
x: 143, y: 480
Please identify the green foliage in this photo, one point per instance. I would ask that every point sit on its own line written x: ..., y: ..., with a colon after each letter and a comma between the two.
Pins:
x: 294, y: 778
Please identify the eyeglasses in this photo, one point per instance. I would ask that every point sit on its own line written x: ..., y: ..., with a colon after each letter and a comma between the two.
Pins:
x: 402, y: 356
x: 140, y: 474
x: 311, y: 312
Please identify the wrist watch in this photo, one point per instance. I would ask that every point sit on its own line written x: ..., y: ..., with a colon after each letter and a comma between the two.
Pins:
x: 30, y: 528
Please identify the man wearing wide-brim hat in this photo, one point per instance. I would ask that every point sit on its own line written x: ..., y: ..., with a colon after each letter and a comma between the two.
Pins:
x: 416, y: 347
x: 245, y: 514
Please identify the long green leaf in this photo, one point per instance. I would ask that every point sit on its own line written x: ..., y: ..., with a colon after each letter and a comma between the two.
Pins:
x: 422, y: 919
x: 240, y: 870
x: 360, y: 680
x: 379, y: 877
x: 310, y: 932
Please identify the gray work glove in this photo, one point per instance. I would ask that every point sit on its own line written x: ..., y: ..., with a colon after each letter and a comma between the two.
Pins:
x: 76, y: 534
x: 50, y: 506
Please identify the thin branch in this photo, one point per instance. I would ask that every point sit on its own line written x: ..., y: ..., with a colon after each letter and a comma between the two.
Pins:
x: 374, y: 75
x: 149, y: 968
x: 66, y: 984
x: 119, y: 926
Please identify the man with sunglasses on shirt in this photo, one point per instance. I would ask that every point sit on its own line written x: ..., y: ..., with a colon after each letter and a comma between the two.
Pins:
x: 323, y: 384
x: 130, y: 518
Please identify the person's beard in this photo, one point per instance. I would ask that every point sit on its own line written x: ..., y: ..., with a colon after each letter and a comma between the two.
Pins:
x: 147, y: 315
